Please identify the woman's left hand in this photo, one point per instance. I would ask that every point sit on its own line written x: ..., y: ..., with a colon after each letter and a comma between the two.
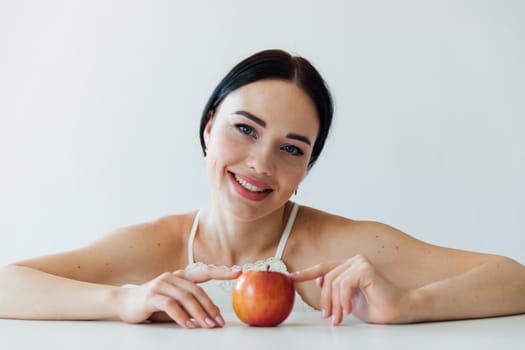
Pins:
x: 355, y: 287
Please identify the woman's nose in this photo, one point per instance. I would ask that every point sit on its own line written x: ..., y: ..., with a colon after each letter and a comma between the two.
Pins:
x: 260, y: 160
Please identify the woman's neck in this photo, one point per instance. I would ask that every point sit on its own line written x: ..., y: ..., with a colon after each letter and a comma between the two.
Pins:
x: 235, y: 241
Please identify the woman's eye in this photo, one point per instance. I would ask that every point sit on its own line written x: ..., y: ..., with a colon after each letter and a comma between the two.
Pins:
x: 246, y: 129
x: 292, y: 150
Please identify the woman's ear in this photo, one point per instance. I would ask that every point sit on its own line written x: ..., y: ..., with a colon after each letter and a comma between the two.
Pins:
x: 208, y: 127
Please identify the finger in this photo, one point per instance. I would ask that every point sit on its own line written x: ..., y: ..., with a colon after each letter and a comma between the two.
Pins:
x: 193, y: 300
x: 188, y: 301
x: 345, y: 298
x: 339, y: 279
x: 313, y: 271
x: 173, y: 310
x: 208, y: 273
x: 325, y: 299
x: 319, y: 281
x: 359, y: 274
x: 333, y: 281
x: 336, y: 303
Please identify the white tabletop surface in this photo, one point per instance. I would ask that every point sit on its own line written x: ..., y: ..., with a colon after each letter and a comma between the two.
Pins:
x: 299, y: 331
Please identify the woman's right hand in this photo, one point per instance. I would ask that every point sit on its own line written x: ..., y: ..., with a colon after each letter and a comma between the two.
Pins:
x: 176, y: 296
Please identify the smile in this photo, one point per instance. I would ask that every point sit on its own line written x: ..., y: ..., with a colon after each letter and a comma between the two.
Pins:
x: 247, y: 185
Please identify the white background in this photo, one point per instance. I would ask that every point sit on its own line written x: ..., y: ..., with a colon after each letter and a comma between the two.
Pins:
x: 100, y: 104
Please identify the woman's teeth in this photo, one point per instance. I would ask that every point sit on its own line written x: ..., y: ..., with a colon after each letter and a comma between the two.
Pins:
x: 248, y: 185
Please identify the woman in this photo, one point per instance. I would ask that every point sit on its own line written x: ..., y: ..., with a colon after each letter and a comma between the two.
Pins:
x: 262, y: 129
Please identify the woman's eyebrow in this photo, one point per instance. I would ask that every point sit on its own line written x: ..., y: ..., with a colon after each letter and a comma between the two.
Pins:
x: 263, y: 124
x: 299, y: 138
x: 252, y: 117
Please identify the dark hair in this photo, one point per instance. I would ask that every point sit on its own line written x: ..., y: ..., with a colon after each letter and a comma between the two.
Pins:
x: 276, y: 64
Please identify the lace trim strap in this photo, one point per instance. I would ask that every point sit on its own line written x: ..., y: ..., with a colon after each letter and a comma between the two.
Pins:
x: 272, y: 263
x: 192, y: 237
x: 280, y: 247
x: 286, y: 232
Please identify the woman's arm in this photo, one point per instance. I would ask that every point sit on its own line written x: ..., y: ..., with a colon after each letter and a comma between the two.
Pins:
x: 494, y: 288
x: 383, y: 275
x: 85, y: 283
x: 78, y: 284
x: 26, y: 293
x: 31, y: 294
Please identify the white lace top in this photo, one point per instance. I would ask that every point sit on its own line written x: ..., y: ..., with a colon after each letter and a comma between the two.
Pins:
x: 220, y: 291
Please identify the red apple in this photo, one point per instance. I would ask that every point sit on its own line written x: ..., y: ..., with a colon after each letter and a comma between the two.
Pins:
x: 263, y: 298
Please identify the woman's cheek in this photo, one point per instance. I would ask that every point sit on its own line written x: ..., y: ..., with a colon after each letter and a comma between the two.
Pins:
x: 295, y: 176
x: 225, y: 146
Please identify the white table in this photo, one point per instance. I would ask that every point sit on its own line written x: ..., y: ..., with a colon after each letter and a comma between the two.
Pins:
x: 299, y: 331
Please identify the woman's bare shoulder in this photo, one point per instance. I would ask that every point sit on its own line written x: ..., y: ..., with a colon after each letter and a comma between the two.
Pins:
x: 162, y: 241
x: 317, y: 222
x: 131, y: 254
x: 163, y: 231
x: 338, y: 237
x: 314, y: 232
x: 331, y: 223
x: 335, y: 237
x: 175, y: 227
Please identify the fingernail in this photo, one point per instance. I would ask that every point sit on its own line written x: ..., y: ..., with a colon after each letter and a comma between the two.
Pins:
x: 324, y: 314
x: 333, y: 320
x: 236, y: 269
x: 190, y: 324
x: 219, y: 321
x: 209, y: 322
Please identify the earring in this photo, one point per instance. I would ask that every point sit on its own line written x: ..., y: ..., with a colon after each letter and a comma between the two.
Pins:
x: 206, y: 151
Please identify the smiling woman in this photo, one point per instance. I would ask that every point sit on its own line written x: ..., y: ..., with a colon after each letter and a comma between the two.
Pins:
x: 262, y: 129
x: 277, y: 65
x: 261, y: 151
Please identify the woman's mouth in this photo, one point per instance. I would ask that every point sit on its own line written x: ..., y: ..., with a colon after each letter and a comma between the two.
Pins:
x: 247, y: 185
x: 249, y: 188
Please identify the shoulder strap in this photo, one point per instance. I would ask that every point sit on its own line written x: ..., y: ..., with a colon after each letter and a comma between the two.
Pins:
x: 192, y: 237
x: 286, y: 232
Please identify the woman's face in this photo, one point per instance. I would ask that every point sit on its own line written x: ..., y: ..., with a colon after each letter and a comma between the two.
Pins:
x: 259, y: 142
